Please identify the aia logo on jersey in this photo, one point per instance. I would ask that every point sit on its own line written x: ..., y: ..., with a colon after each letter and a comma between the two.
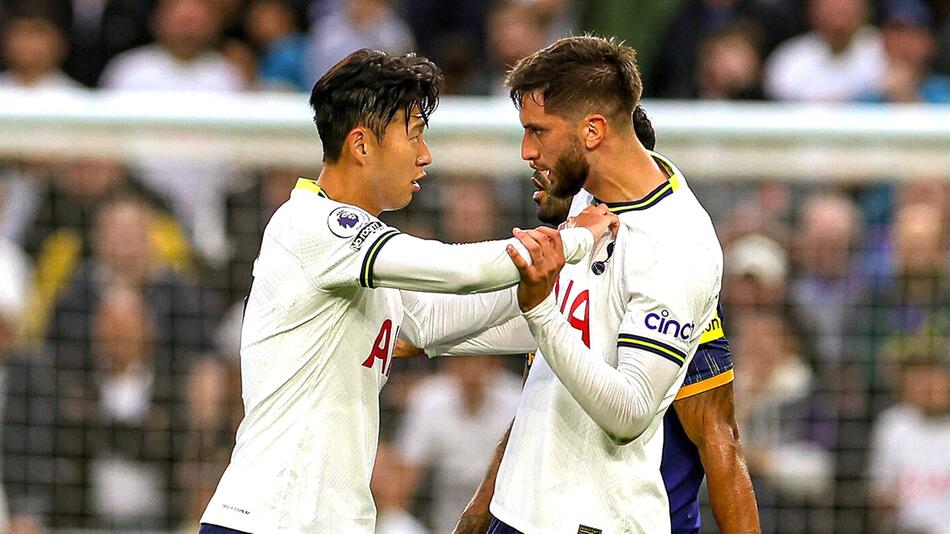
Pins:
x: 578, y: 312
x: 662, y: 323
x: 382, y: 347
x: 345, y: 222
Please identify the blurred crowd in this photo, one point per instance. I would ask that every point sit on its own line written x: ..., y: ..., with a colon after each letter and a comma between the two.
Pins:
x: 121, y: 307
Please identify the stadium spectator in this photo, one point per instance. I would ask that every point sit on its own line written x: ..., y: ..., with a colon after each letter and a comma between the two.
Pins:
x: 451, y: 34
x: 786, y: 435
x: 353, y: 25
x: 129, y: 411
x: 392, y: 492
x: 124, y: 252
x: 729, y: 65
x: 756, y: 271
x: 473, y: 215
x: 57, y: 229
x: 698, y: 21
x: 915, y: 300
x: 827, y: 284
x: 18, y: 514
x: 910, y: 47
x: 100, y: 29
x: 840, y: 59
x: 274, y: 29
x: 910, y: 480
x: 183, y: 59
x: 34, y: 48
x: 451, y: 426
x: 513, y: 30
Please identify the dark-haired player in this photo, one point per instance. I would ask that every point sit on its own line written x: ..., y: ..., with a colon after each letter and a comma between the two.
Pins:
x: 700, y: 433
x: 617, y: 331
x: 330, y: 296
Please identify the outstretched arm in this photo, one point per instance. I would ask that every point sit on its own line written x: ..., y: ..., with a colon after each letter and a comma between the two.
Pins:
x: 405, y: 262
x: 710, y: 422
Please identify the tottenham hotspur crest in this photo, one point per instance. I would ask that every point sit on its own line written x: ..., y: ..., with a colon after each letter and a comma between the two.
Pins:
x: 345, y: 222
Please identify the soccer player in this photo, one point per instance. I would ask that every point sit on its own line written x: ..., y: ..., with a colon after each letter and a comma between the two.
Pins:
x: 330, y: 295
x: 700, y: 438
x: 619, y: 329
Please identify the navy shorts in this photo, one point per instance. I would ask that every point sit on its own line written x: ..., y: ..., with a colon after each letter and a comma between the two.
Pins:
x: 499, y: 527
x: 215, y: 529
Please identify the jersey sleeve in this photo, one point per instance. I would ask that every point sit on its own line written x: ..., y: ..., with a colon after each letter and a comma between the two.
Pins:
x: 353, y: 248
x: 711, y: 367
x: 432, y: 319
x: 338, y: 251
x: 407, y: 262
x: 622, y: 400
x: 510, y: 337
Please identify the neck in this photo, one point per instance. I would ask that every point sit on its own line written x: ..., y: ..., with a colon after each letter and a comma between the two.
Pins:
x: 29, y: 78
x: 344, y: 185
x: 624, y: 172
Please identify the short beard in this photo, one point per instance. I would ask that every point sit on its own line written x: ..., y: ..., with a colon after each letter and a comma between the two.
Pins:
x: 571, y: 170
x: 553, y: 210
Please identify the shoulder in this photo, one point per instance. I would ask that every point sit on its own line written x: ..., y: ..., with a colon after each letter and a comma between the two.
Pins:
x: 433, y: 393
x: 148, y: 54
x: 896, y: 419
x: 131, y: 63
x: 310, y: 217
x: 797, y: 47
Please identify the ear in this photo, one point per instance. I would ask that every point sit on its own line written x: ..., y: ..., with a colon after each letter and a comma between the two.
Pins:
x: 593, y: 129
x: 356, y: 144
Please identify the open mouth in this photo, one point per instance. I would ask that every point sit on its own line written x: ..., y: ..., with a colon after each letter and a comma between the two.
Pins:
x: 541, y: 181
x: 415, y: 183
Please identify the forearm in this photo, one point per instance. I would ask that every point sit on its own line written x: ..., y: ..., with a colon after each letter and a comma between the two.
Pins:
x: 624, y: 400
x: 731, y: 495
x: 476, y: 517
x: 510, y: 337
x: 434, y: 320
x: 406, y: 262
x: 709, y: 421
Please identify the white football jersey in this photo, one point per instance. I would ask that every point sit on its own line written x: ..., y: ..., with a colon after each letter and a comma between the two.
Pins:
x: 654, y: 289
x: 320, y: 324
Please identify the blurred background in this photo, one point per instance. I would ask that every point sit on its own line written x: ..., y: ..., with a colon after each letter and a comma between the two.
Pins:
x: 124, y: 255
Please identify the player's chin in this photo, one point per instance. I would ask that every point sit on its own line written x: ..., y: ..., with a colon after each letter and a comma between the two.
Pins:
x: 405, y: 199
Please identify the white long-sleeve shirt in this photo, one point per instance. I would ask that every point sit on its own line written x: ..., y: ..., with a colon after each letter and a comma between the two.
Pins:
x: 316, y: 348
x: 614, y: 340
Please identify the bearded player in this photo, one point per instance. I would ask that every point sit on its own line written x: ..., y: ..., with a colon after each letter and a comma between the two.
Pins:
x: 701, y: 438
x: 619, y: 329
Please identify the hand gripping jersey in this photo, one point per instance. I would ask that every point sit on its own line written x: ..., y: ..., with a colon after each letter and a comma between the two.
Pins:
x: 315, y: 351
x: 615, y: 341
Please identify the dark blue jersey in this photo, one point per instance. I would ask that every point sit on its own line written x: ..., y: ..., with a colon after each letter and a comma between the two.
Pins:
x: 681, y: 467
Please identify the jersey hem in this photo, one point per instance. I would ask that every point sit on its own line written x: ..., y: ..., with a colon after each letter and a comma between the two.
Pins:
x: 705, y: 385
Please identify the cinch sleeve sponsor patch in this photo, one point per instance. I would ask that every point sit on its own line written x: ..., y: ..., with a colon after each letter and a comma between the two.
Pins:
x: 659, y: 348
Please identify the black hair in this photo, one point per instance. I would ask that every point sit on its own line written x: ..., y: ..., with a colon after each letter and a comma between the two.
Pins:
x: 643, y: 128
x: 368, y: 88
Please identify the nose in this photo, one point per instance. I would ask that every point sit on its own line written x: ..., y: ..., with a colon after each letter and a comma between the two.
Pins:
x: 528, y: 150
x: 425, y: 158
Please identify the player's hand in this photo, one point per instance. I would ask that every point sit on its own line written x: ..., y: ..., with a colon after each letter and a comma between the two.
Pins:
x: 597, y: 219
x: 404, y: 349
x: 547, y: 258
